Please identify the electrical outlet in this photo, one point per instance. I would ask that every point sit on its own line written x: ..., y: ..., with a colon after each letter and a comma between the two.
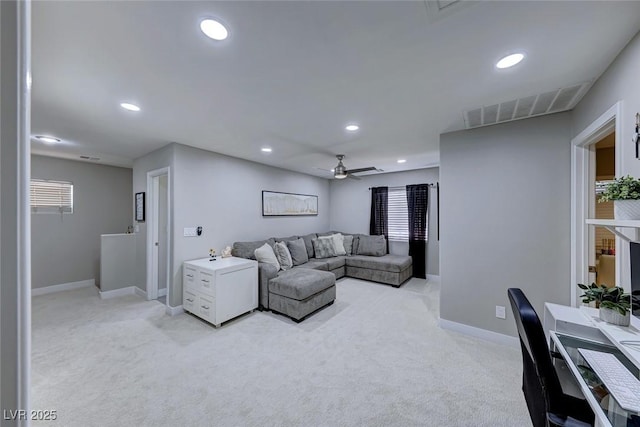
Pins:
x: 190, y: 232
x: 501, y: 312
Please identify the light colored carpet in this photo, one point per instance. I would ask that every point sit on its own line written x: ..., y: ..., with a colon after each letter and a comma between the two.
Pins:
x: 376, y: 357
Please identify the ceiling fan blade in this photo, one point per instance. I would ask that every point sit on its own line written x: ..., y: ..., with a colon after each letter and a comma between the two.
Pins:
x: 370, y: 168
x: 354, y: 177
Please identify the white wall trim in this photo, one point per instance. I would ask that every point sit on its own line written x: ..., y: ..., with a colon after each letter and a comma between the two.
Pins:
x: 483, y: 334
x: 174, y: 311
x: 433, y: 278
x: 63, y: 287
x: 161, y: 292
x: 140, y: 292
x: 129, y: 290
x: 580, y: 191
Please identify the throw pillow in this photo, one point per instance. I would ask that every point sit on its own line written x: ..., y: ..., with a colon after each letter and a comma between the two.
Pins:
x: 338, y: 244
x: 265, y: 254
x: 323, y: 247
x: 298, y: 251
x: 348, y: 245
x: 283, y: 255
x: 372, y: 245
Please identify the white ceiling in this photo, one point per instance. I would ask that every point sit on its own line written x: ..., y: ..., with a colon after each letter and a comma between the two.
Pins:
x: 292, y: 74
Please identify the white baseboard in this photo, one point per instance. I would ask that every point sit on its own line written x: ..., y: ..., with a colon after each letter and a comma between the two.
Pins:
x: 63, y: 287
x: 162, y: 292
x: 140, y: 292
x: 129, y: 290
x: 433, y: 278
x: 174, y: 311
x: 484, y: 334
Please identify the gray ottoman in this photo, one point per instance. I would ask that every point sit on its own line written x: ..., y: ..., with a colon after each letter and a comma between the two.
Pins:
x: 299, y: 292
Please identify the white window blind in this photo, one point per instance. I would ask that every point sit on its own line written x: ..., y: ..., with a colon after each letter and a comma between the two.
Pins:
x: 51, y: 196
x: 398, y: 215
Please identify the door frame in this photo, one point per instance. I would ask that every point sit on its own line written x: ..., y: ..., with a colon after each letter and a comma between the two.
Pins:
x: 152, y: 231
x: 583, y: 191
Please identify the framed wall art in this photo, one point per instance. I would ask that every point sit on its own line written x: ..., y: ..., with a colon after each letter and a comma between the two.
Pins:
x: 275, y: 203
x: 139, y: 207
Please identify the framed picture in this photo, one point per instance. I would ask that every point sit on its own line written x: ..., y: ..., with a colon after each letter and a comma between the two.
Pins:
x: 140, y: 207
x: 288, y: 204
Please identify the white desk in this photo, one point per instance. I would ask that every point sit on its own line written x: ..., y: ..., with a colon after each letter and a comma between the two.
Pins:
x: 571, y: 328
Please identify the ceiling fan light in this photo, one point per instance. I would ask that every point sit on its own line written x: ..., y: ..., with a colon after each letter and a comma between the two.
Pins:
x: 340, y: 175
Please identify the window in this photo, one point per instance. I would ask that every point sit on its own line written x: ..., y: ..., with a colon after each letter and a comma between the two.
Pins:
x: 398, y: 215
x: 51, y: 196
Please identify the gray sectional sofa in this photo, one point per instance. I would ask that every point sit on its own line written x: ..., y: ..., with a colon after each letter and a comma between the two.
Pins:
x: 310, y: 286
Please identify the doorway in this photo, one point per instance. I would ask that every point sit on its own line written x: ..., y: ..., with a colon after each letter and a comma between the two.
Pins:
x: 158, y: 236
x: 583, y: 197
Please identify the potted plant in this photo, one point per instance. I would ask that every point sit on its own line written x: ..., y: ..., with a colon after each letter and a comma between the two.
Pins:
x: 625, y: 194
x: 614, y: 304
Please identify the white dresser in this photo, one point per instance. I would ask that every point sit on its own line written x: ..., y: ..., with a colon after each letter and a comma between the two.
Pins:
x: 219, y: 290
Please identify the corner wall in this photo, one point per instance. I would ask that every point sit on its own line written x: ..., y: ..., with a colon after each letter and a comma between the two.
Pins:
x: 505, y: 219
x: 351, y: 208
x: 66, y: 248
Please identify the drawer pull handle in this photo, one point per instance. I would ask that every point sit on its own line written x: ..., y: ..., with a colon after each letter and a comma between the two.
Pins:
x: 205, y: 281
x: 206, y: 307
x: 190, y: 300
x: 190, y: 275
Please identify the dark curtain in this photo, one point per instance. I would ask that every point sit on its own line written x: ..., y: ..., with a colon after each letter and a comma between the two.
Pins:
x: 379, y: 224
x: 417, y: 204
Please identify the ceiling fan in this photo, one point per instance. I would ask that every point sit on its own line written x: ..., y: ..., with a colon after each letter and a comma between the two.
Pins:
x: 340, y: 172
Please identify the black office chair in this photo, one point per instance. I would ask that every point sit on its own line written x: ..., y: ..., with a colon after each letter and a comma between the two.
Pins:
x: 547, y: 404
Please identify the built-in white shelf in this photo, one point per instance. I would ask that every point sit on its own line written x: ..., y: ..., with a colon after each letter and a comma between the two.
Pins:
x: 613, y: 224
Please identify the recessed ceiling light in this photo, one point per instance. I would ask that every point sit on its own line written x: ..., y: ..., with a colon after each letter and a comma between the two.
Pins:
x: 266, y: 150
x: 47, y: 139
x: 402, y: 161
x: 352, y: 127
x: 130, y: 107
x: 213, y: 29
x: 510, y: 60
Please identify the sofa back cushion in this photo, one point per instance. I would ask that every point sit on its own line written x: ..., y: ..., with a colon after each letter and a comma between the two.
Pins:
x: 284, y: 239
x: 265, y: 254
x: 283, y: 255
x: 298, y: 251
x: 309, y: 244
x: 323, y: 247
x: 371, y: 245
x: 348, y: 245
x: 247, y: 249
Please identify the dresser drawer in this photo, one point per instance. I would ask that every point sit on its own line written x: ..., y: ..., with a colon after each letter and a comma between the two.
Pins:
x: 206, y: 308
x: 190, y: 276
x: 206, y: 281
x: 189, y: 300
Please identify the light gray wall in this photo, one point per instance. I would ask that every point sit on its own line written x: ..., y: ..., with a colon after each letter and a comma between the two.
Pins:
x: 350, y: 207
x: 66, y: 248
x: 224, y: 195
x: 505, y: 219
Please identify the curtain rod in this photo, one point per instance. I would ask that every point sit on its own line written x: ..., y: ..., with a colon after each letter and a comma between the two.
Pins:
x: 398, y: 187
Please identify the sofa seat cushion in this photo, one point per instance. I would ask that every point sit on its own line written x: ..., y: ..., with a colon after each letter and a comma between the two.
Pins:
x: 392, y: 263
x: 335, y: 262
x: 315, y: 264
x: 301, y: 283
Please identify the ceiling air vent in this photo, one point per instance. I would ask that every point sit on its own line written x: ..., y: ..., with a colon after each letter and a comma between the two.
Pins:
x: 555, y: 101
